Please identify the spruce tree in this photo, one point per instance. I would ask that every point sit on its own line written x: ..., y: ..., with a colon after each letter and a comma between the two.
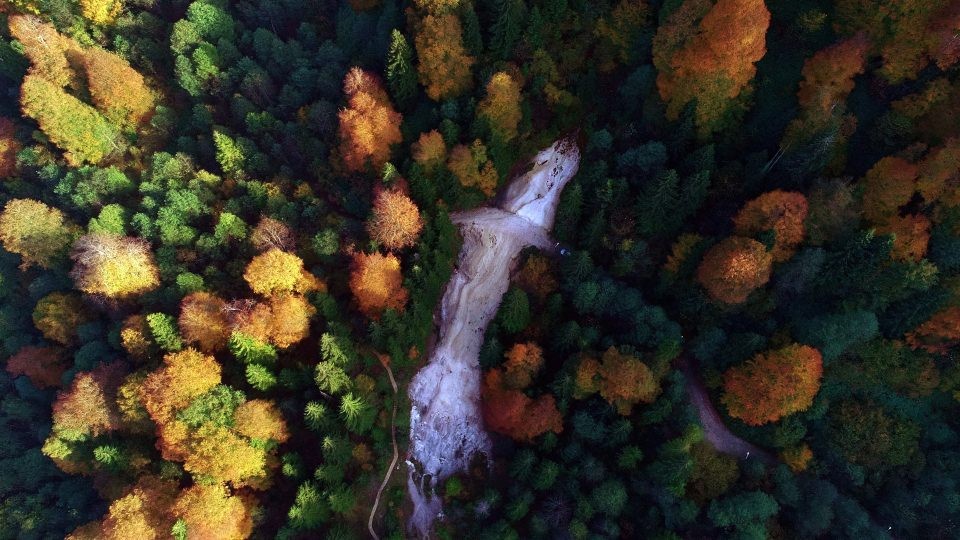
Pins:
x: 401, y: 75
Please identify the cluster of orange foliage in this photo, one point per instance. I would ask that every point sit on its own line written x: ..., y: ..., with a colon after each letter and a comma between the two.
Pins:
x: 938, y: 335
x: 151, y: 508
x: 734, y: 268
x: 377, y: 284
x: 396, y: 221
x: 506, y: 409
x: 621, y: 379
x: 783, y: 212
x: 501, y: 106
x: 908, y: 34
x: 42, y: 365
x: 9, y: 146
x: 710, y: 61
x: 225, y: 453
x: 472, y: 168
x: 283, y: 319
x: 444, y: 65
x: 430, y: 151
x: 772, y: 385
x: 893, y: 182
x: 117, y: 90
x: 114, y: 266
x: 827, y: 81
x: 369, y: 124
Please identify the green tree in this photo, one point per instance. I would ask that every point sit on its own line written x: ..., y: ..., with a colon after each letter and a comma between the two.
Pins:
x: 401, y: 73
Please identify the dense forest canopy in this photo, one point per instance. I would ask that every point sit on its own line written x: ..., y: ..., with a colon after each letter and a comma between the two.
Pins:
x: 224, y: 230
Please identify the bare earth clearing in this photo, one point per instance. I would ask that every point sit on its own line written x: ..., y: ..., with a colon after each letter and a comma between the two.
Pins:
x: 446, y: 425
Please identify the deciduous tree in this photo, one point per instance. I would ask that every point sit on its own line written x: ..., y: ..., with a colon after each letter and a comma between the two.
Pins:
x: 75, y: 127
x: 57, y: 316
x: 939, y: 334
x: 734, y: 268
x: 430, y: 151
x: 42, y: 365
x: 211, y: 512
x: 512, y: 413
x: 369, y: 125
x: 395, y: 221
x: 276, y: 271
x: 472, y: 168
x: 35, y: 231
x: 289, y: 319
x: 501, y: 106
x: 112, y: 265
x: 621, y: 379
x: 705, y: 52
x: 117, y: 90
x: 203, y: 320
x: 444, y: 64
x: 9, y: 146
x: 773, y: 384
x: 260, y: 419
x: 783, y: 212
x: 377, y: 284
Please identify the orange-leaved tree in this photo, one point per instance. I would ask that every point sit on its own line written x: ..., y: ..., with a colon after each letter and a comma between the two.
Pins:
x: 939, y: 334
x: 734, y: 268
x: 204, y: 320
x: 524, y: 360
x: 117, y: 90
x: 430, y: 151
x: 395, y: 221
x: 377, y: 284
x: 773, y: 384
x: 42, y: 365
x: 705, y: 52
x: 444, y: 64
x: 782, y: 212
x: 141, y: 513
x: 114, y: 266
x: 369, y: 124
x: 472, y: 167
x: 211, y: 512
x: 514, y: 414
x: 887, y: 186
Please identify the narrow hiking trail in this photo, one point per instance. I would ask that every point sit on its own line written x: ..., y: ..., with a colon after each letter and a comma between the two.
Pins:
x: 446, y: 424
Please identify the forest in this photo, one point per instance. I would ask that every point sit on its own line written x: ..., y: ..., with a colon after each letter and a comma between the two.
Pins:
x: 225, y: 229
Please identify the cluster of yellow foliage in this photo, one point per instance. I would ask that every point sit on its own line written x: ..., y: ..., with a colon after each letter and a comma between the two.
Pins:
x: 276, y: 271
x: 430, y: 151
x: 444, y: 66
x: 472, y: 168
x: 35, y: 231
x: 114, y: 266
x: 501, y: 106
x: 57, y: 316
x: 117, y: 90
x: 369, y: 125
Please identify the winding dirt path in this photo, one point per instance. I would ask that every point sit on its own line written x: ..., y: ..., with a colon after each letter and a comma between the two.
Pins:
x: 446, y: 424
x: 715, y: 431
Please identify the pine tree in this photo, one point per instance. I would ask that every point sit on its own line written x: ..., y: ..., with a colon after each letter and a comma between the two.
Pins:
x: 401, y: 75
